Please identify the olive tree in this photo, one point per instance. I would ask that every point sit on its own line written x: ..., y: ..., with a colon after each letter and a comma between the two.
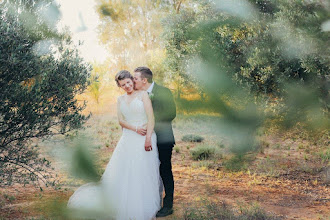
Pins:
x: 38, y: 91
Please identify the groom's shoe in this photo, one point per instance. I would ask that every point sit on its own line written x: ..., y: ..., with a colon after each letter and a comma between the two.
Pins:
x: 165, y: 211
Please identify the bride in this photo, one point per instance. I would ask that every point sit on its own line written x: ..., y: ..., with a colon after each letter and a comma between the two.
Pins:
x: 129, y: 187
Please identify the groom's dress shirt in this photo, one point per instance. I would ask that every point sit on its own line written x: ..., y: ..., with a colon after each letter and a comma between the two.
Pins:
x: 149, y: 90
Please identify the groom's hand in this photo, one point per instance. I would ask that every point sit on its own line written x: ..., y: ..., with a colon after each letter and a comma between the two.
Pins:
x: 142, y: 131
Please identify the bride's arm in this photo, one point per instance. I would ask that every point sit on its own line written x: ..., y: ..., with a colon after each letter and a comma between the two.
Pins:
x: 125, y: 124
x: 151, y: 120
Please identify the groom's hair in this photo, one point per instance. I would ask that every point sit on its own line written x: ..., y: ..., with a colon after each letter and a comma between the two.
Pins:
x: 145, y: 73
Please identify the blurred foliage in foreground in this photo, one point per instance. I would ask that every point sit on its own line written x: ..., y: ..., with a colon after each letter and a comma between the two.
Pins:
x: 40, y: 75
x: 82, y: 160
x: 253, y: 61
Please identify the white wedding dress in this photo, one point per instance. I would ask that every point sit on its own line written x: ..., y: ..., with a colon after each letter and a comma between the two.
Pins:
x: 129, y: 187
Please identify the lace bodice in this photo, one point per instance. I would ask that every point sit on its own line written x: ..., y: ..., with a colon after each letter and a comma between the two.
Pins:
x: 133, y: 111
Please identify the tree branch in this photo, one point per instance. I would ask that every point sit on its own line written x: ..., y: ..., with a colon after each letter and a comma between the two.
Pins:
x: 26, y: 167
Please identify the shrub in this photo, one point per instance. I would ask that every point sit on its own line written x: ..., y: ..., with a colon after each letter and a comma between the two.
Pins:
x: 202, y: 152
x: 177, y: 149
x: 192, y: 138
x: 235, y: 163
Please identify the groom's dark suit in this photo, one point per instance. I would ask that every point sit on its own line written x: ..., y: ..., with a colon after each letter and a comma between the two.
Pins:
x: 164, y: 111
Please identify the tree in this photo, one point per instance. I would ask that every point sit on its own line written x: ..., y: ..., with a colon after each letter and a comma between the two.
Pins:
x: 38, y: 90
x: 131, y: 30
x: 180, y: 47
x: 282, y: 43
x: 246, y: 49
x: 101, y: 75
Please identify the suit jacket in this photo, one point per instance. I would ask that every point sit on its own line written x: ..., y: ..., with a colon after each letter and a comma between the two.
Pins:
x: 164, y: 111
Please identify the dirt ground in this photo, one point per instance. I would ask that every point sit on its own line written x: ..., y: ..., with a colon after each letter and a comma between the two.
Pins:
x: 284, y: 179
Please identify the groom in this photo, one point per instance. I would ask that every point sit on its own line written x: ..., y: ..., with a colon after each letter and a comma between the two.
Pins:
x: 164, y: 112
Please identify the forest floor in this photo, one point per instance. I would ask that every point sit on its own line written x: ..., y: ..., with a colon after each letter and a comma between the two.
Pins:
x: 287, y: 178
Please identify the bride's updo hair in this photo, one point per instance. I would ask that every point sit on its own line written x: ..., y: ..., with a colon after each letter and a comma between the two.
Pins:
x: 123, y: 74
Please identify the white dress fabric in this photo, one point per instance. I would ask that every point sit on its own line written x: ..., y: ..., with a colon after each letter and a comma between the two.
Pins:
x: 129, y: 187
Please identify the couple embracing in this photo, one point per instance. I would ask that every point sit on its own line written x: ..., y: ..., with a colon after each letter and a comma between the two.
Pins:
x: 132, y: 184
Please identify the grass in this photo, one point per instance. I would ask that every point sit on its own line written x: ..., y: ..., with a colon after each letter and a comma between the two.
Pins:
x: 211, y: 155
x: 212, y: 210
x: 51, y: 207
x: 236, y: 163
x: 325, y: 156
x: 268, y: 167
x: 8, y: 197
x: 203, y: 163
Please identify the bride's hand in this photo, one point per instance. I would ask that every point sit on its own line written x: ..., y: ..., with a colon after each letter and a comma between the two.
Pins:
x: 141, y: 130
x: 147, y: 145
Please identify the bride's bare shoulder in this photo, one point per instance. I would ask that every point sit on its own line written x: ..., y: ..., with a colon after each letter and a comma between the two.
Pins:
x: 142, y: 92
x: 119, y: 98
